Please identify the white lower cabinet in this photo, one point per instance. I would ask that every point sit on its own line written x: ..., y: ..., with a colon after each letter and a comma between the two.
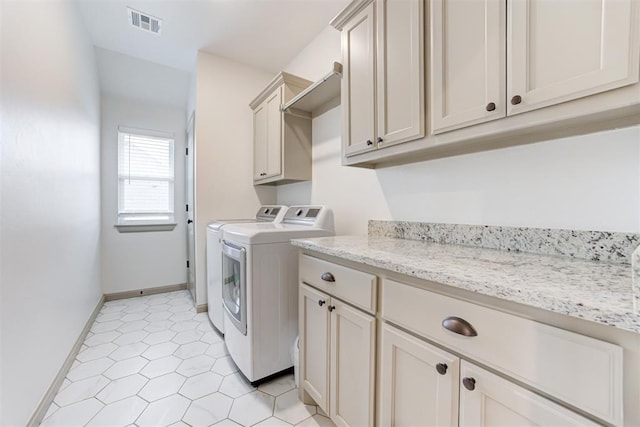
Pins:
x: 337, y: 365
x: 442, y: 361
x: 488, y: 400
x: 418, y: 382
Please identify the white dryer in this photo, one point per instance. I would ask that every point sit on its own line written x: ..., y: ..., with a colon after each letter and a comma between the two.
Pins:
x: 260, y: 288
x: 266, y: 214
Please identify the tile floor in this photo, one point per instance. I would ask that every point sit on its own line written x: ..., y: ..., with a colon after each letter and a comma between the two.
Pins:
x: 152, y: 361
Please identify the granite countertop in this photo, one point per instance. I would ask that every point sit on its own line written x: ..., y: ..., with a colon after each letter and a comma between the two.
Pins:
x: 592, y: 290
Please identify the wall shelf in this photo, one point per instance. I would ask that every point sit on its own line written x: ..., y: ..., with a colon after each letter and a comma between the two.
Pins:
x: 319, y: 93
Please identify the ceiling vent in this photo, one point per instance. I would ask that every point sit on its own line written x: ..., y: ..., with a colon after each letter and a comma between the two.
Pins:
x: 144, y: 21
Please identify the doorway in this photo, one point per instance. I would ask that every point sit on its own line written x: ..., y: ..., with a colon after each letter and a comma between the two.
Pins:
x: 191, y: 243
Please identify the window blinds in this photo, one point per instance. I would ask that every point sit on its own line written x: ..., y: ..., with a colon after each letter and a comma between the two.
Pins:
x: 145, y: 178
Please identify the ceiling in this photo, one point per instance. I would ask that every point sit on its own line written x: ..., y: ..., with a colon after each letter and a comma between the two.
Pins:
x: 266, y: 34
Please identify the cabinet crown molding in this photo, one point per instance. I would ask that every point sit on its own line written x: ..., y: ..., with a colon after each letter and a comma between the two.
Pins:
x: 280, y: 79
x: 348, y: 12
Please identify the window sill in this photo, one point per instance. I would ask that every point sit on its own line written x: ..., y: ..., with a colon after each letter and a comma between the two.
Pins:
x: 139, y: 228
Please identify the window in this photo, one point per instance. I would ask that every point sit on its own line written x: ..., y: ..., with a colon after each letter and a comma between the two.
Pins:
x: 145, y: 177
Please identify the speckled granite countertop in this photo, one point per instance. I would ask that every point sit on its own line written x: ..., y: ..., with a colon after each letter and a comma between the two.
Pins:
x: 593, y: 290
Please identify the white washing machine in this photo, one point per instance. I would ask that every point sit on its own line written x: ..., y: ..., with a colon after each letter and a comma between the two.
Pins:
x: 266, y: 214
x: 260, y: 288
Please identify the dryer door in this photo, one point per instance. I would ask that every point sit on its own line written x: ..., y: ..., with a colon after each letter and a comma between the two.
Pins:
x: 234, y: 284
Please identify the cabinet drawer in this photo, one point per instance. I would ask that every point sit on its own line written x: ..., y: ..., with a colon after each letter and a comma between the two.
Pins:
x: 581, y: 371
x: 350, y: 285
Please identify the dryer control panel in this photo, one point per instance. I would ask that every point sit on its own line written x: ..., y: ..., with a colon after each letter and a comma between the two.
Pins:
x: 308, y: 215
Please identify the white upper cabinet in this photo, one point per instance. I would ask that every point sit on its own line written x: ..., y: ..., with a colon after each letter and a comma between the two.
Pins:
x: 565, y: 49
x: 383, y: 97
x: 468, y: 62
x: 267, y: 134
x: 400, y: 71
x: 358, y: 84
x: 281, y: 141
x: 497, y: 58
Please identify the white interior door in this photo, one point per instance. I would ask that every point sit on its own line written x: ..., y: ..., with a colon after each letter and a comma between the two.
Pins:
x: 191, y: 242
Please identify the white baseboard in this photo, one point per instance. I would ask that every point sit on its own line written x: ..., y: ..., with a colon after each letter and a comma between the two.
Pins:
x: 143, y: 292
x: 46, y: 401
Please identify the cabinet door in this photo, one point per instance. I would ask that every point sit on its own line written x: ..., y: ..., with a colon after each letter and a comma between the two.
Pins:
x: 358, y: 83
x: 274, y: 134
x: 352, y: 366
x: 400, y: 71
x: 494, y: 401
x: 413, y: 389
x: 259, y: 142
x: 563, y: 50
x: 468, y: 65
x: 314, y: 344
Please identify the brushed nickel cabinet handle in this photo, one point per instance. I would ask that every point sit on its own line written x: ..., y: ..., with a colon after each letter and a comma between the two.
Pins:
x: 442, y: 368
x: 328, y: 277
x: 517, y: 99
x: 459, y: 326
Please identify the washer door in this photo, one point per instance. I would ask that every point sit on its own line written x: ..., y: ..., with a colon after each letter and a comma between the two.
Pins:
x: 234, y: 284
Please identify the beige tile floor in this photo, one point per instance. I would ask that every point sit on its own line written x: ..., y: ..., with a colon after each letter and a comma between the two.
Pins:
x: 152, y: 361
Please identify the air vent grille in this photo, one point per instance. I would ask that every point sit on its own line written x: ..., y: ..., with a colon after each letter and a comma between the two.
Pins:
x: 144, y: 21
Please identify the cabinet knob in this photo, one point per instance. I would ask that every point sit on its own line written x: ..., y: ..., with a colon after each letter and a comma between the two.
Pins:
x: 321, y: 302
x: 469, y: 383
x: 328, y: 277
x: 491, y: 106
x: 459, y: 326
x: 380, y: 139
x: 517, y: 99
x: 369, y: 142
x: 331, y: 307
x: 441, y: 368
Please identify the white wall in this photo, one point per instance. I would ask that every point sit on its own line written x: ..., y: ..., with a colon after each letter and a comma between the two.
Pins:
x: 224, y: 149
x: 132, y: 261
x: 143, y: 81
x: 587, y: 182
x: 50, y: 211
